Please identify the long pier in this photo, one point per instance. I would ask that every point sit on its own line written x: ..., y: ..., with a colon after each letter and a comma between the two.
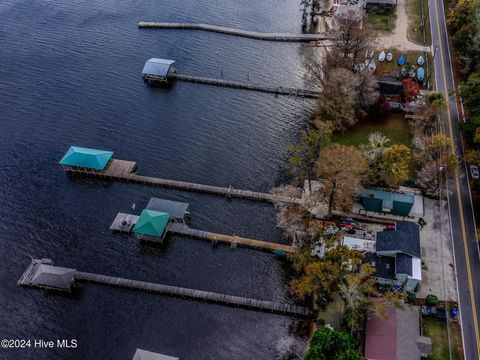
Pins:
x: 195, y: 294
x: 277, y: 90
x: 282, y: 37
x: 125, y: 170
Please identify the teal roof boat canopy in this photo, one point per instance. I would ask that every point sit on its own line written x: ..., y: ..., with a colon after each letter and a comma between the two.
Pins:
x: 86, y: 158
x: 151, y: 223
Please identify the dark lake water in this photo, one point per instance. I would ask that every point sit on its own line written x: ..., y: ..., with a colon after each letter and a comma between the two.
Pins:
x: 70, y: 75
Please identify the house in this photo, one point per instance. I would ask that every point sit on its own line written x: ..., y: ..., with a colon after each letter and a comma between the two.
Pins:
x: 384, y: 7
x: 397, y: 337
x: 387, y: 202
x: 148, y: 355
x: 53, y: 277
x: 177, y: 210
x: 158, y: 70
x: 85, y: 159
x: 151, y: 225
x: 397, y: 256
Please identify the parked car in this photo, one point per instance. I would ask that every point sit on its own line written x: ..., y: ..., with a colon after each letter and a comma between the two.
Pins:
x: 474, y: 172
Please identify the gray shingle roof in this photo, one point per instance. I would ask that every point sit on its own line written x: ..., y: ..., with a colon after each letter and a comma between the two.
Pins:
x: 406, y: 239
x: 384, y: 265
x: 403, y: 264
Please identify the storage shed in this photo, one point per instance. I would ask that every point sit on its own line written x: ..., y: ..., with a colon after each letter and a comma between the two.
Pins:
x: 158, y: 70
x: 79, y: 158
x: 151, y: 225
x: 387, y: 202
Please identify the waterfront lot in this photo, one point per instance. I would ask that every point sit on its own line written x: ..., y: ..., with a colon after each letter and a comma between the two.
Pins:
x: 436, y: 329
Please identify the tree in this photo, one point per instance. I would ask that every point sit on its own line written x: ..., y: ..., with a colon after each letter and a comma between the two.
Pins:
x: 366, y: 93
x: 470, y: 92
x: 306, y: 151
x: 337, y: 100
x: 472, y: 157
x: 394, y: 165
x: 410, y: 89
x: 373, y: 152
x: 328, y: 344
x: 341, y: 168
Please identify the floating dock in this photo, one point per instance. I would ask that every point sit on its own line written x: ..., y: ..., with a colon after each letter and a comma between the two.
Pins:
x: 243, y: 302
x: 277, y: 90
x: 124, y: 170
x: 282, y: 37
x: 124, y: 223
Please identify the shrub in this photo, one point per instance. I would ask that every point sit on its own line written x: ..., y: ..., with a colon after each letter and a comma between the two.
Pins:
x: 431, y: 300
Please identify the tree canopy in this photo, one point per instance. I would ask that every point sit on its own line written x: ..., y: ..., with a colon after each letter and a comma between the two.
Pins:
x: 328, y: 344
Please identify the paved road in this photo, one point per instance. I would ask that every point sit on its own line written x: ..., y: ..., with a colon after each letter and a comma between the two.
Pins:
x: 466, y: 254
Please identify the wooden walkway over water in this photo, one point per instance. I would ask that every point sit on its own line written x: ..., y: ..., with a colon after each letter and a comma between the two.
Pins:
x: 195, y: 294
x: 235, y: 32
x: 277, y: 90
x: 234, y: 241
x: 124, y: 170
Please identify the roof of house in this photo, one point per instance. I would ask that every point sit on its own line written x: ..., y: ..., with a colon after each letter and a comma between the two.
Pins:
x: 53, y: 276
x: 403, y: 264
x: 405, y: 238
x: 151, y: 223
x: 397, y: 337
x: 157, y: 67
x: 176, y: 209
x: 384, y: 265
x: 87, y: 158
x: 148, y: 355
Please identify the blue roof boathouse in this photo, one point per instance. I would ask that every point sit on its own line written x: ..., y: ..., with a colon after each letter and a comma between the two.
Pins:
x: 158, y: 70
x: 86, y: 160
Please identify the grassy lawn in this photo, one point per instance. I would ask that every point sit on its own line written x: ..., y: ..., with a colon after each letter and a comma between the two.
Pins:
x: 380, y: 23
x: 392, y: 68
x: 437, y: 330
x: 414, y: 13
x: 395, y: 127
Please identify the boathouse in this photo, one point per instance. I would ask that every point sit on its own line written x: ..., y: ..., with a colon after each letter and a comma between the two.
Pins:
x: 148, y: 355
x: 86, y: 160
x: 177, y: 210
x: 151, y: 225
x: 53, y: 277
x: 158, y: 70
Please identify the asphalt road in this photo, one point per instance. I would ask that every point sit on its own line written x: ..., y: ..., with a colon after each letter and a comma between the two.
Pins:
x: 466, y: 253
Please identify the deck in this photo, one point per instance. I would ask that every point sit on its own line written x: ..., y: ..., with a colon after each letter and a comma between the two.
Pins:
x: 124, y: 170
x: 195, y: 294
x: 283, y: 37
x: 124, y: 223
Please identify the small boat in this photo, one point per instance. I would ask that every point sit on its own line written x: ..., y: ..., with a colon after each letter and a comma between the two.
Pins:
x: 372, y: 66
x: 401, y: 60
x: 279, y: 252
x: 420, y: 73
x: 412, y: 73
x: 381, y: 57
x: 389, y: 57
x: 420, y: 60
x: 403, y: 72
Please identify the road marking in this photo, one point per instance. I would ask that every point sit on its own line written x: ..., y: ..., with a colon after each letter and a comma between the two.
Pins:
x: 457, y: 183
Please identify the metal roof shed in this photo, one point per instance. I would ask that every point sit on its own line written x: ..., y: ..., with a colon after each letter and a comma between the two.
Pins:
x: 86, y: 158
x: 177, y: 210
x: 54, y: 277
x: 151, y: 225
x: 158, y: 69
x: 148, y: 355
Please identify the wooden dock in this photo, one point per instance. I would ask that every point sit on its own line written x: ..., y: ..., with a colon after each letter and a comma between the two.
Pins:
x: 124, y: 170
x: 124, y: 223
x: 277, y: 90
x: 234, y: 241
x: 283, y: 37
x: 195, y: 294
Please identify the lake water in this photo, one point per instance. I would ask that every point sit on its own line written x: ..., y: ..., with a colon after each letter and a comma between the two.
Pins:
x: 70, y: 74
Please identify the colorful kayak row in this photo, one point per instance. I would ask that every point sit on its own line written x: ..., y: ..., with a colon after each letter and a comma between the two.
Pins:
x: 401, y: 61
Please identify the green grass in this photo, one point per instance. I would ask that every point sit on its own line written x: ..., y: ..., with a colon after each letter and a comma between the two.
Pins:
x: 395, y: 127
x: 437, y: 330
x: 414, y: 14
x: 380, y: 23
x: 392, y: 68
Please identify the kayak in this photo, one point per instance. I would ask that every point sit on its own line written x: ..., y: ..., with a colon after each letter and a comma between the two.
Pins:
x: 401, y: 60
x: 420, y: 60
x: 420, y: 73
x: 280, y: 253
x: 389, y: 57
x: 372, y: 66
x: 381, y: 57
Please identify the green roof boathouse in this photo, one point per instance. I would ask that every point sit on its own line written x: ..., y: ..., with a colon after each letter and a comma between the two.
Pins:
x: 387, y: 202
x: 91, y: 161
x: 151, y: 225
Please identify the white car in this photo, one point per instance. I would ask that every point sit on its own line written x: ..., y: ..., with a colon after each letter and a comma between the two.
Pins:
x: 475, y: 175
